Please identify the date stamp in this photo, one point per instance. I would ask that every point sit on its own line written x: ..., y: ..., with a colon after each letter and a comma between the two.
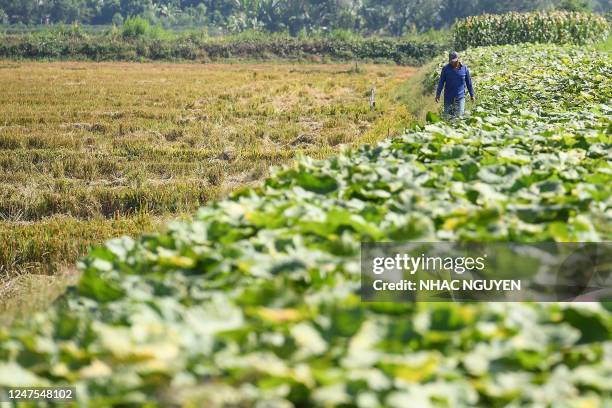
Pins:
x: 57, y: 394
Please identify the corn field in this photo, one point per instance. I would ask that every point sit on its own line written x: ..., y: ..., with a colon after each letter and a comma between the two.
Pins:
x: 556, y: 27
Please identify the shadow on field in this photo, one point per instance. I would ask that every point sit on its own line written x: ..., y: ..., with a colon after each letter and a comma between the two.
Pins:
x: 27, y: 293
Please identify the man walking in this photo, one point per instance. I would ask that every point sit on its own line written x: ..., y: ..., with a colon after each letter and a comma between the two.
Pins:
x: 454, y: 78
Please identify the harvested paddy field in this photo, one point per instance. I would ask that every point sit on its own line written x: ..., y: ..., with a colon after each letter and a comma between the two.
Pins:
x: 90, y: 151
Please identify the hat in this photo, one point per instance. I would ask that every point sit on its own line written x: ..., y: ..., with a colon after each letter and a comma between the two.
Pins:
x: 453, y: 56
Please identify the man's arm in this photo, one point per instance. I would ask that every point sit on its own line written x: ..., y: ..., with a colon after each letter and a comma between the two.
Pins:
x: 441, y: 84
x: 468, y: 82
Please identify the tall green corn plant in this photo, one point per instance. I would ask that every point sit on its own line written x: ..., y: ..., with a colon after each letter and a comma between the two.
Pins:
x: 559, y: 27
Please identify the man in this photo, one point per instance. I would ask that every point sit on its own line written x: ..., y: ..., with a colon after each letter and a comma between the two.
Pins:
x: 454, y: 78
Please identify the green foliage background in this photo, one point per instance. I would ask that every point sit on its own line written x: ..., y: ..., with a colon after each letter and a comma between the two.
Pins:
x: 138, y: 40
x: 382, y: 17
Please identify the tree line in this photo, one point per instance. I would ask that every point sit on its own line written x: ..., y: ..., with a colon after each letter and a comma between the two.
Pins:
x: 384, y: 17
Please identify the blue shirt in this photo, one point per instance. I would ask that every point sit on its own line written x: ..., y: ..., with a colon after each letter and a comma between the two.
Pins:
x: 454, y: 82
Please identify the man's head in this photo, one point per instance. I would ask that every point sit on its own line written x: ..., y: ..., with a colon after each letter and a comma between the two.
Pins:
x: 453, y: 58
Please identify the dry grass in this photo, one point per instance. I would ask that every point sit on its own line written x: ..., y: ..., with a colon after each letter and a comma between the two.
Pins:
x: 28, y: 293
x: 89, y: 151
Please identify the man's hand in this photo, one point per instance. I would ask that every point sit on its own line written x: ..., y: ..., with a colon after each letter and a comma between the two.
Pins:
x: 437, y: 99
x: 473, y: 97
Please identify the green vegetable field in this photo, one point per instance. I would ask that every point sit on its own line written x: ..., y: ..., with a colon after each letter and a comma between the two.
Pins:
x: 255, y: 302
